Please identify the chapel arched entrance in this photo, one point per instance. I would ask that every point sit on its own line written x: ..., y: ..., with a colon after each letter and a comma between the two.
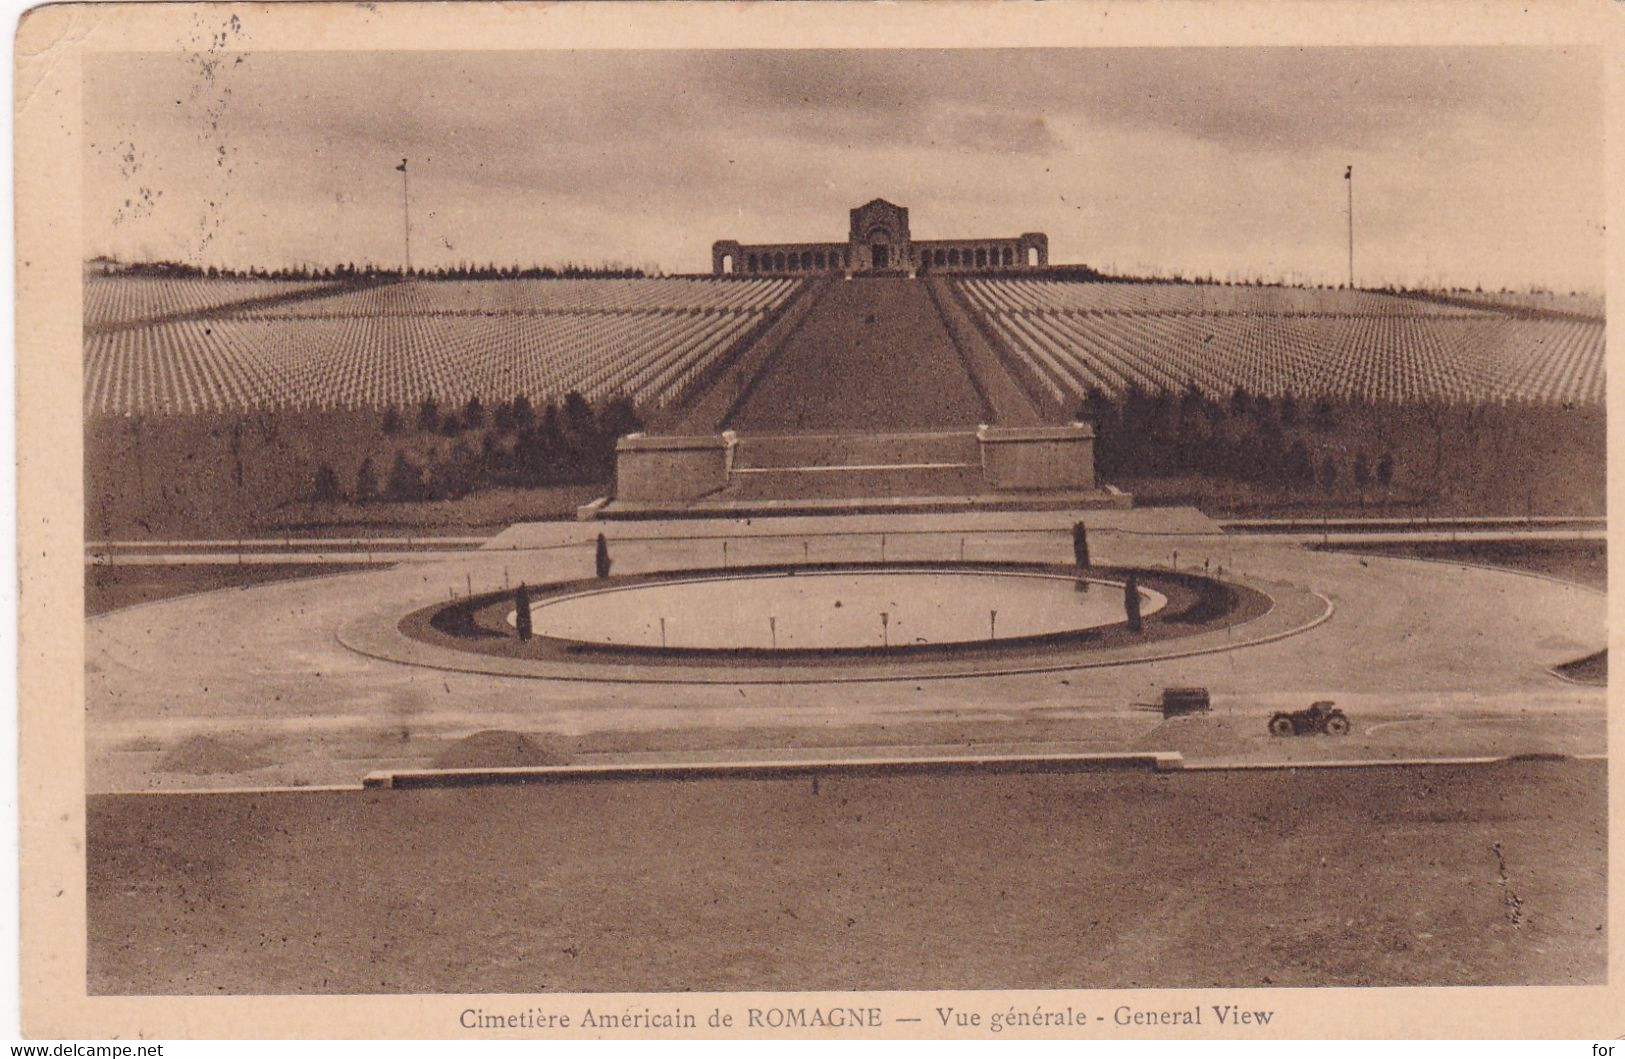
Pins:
x: 880, y: 242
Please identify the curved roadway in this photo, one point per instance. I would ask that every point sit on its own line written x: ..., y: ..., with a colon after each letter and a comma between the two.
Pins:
x: 262, y: 670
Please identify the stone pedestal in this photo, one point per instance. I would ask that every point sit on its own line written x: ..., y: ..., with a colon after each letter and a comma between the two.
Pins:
x: 671, y: 468
x: 1038, y: 458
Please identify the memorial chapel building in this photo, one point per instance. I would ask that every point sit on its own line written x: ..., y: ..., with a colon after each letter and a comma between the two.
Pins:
x: 879, y: 241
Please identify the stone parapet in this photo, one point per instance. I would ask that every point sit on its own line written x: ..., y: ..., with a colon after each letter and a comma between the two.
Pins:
x: 992, y: 467
x: 1038, y: 457
x: 649, y: 467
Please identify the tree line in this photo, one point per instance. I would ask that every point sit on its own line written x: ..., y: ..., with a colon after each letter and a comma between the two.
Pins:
x: 1283, y: 440
x: 352, y: 271
x: 1079, y: 273
x: 509, y: 444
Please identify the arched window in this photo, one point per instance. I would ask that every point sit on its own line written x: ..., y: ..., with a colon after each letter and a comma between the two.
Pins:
x: 1009, y: 256
x: 818, y: 261
x: 806, y: 259
x: 727, y: 263
x: 1032, y: 257
x: 953, y: 256
x: 981, y: 257
x: 750, y: 262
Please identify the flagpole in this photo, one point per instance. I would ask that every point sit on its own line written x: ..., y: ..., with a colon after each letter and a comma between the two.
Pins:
x: 1348, y: 176
x: 406, y: 212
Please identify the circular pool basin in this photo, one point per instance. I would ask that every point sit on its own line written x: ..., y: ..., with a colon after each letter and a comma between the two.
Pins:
x: 837, y: 609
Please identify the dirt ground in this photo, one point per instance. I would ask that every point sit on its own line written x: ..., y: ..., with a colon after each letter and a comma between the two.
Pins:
x: 1440, y: 875
x: 1582, y: 562
x: 111, y: 587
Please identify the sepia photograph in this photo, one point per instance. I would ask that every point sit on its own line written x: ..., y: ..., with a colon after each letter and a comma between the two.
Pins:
x: 838, y: 520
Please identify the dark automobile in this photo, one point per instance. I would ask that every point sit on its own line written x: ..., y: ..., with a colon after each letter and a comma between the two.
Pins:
x: 1320, y: 717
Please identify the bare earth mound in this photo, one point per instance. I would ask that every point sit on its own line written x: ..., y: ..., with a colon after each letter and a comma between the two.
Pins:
x: 1592, y: 669
x: 495, y: 749
x: 203, y: 755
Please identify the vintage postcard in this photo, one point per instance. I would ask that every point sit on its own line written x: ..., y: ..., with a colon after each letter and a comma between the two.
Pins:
x: 851, y: 521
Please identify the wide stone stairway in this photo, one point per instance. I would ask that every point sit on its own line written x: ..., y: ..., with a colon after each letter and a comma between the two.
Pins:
x: 873, y: 354
x: 876, y: 393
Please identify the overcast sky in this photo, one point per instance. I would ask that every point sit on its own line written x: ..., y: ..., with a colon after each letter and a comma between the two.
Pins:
x: 1471, y: 165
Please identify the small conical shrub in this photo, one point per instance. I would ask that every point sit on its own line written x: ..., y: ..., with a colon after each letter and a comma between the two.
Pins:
x: 521, y: 615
